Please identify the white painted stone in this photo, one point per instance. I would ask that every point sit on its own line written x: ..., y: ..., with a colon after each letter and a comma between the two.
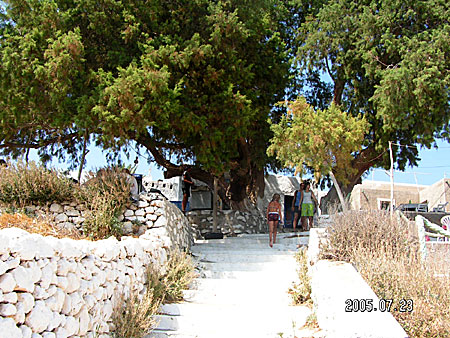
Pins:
x: 9, y: 328
x: 4, y: 243
x: 130, y: 218
x: 107, y: 249
x: 89, y: 301
x: 73, y: 282
x: 143, y: 204
x: 48, y: 335
x: 19, y: 317
x: 12, y: 262
x: 150, y: 210
x: 39, y: 317
x: 26, y: 331
x: 141, y: 219
x: 61, y: 218
x: 62, y: 283
x: 68, y: 248
x: 57, y: 208
x: 23, y: 279
x: 140, y: 212
x: 10, y: 297
x: 55, y: 321
x: 67, y: 305
x: 77, y: 303
x: 128, y: 213
x: 14, y: 233
x: 27, y: 300
x: 160, y: 222
x: 72, y: 326
x: 61, y: 332
x: 46, y: 276
x: 7, y: 310
x: 3, y: 267
x: 83, y: 319
x: 151, y: 217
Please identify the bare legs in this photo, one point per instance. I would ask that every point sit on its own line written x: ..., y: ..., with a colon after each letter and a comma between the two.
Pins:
x: 184, y: 202
x: 295, y: 220
x: 273, y: 225
x: 307, y: 222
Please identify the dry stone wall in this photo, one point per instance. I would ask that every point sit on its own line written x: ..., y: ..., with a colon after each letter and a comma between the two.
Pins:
x: 59, y: 288
x: 230, y: 222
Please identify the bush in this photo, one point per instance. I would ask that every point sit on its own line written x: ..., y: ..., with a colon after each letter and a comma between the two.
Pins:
x: 301, y: 292
x: 22, y: 185
x: 385, y: 252
x: 133, y: 316
x: 105, y: 197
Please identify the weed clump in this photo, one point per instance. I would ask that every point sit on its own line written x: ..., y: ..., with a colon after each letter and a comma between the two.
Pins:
x: 22, y: 184
x: 386, y: 253
x: 301, y: 292
x: 133, y: 317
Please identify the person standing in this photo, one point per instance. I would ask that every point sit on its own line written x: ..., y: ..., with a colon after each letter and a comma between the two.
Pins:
x: 186, y: 186
x: 307, y: 207
x: 273, y: 215
x: 296, y: 205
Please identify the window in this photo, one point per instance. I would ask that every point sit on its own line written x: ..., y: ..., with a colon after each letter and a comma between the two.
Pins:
x: 384, y: 203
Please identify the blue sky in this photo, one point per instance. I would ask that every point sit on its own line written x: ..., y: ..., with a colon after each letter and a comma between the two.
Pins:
x: 434, y: 165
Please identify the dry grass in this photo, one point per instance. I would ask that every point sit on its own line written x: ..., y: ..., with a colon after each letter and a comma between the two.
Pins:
x: 105, y: 196
x: 133, y: 317
x: 385, y: 252
x: 37, y: 226
x: 22, y: 185
x: 301, y: 292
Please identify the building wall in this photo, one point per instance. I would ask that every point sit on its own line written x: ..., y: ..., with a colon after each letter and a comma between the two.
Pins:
x: 438, y: 193
x: 370, y: 194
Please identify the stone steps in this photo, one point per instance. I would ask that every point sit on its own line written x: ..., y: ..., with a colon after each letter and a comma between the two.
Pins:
x: 242, y: 291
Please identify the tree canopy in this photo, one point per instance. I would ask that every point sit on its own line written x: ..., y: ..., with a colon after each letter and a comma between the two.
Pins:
x: 188, y: 81
x: 389, y: 62
x: 317, y: 140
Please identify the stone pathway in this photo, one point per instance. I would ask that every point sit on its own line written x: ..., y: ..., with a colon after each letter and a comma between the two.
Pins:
x: 241, y: 291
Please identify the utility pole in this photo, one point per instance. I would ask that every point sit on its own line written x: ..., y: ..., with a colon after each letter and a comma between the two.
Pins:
x: 391, y: 206
x: 215, y: 206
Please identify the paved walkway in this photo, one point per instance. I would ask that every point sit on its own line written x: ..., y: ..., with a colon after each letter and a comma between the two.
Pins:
x: 241, y: 291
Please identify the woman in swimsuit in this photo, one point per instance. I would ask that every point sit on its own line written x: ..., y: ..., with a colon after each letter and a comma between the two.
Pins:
x: 273, y: 217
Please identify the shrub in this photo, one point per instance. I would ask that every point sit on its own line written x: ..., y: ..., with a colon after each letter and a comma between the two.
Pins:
x: 133, y: 316
x: 301, y: 292
x: 385, y: 252
x: 22, y: 184
x: 105, y: 197
x: 179, y: 275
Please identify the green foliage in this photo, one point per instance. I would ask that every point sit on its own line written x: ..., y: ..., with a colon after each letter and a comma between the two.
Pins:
x: 22, y: 185
x: 323, y: 140
x: 105, y: 196
x: 186, y: 80
x: 133, y: 317
x: 389, y: 61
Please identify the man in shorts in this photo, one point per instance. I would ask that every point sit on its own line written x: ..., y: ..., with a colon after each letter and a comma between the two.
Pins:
x: 186, y: 185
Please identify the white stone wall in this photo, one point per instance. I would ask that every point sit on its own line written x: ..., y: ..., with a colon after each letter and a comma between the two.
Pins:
x: 58, y: 288
x: 229, y: 222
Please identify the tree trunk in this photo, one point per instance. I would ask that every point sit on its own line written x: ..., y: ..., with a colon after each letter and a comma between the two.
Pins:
x: 364, y: 161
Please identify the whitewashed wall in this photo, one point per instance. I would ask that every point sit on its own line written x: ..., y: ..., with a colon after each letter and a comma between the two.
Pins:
x: 59, y: 288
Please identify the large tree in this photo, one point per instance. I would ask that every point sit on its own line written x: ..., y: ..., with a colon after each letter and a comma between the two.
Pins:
x: 389, y: 62
x: 190, y: 82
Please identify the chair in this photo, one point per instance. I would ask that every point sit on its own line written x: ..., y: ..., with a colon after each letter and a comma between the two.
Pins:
x: 421, y: 207
x: 440, y: 207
